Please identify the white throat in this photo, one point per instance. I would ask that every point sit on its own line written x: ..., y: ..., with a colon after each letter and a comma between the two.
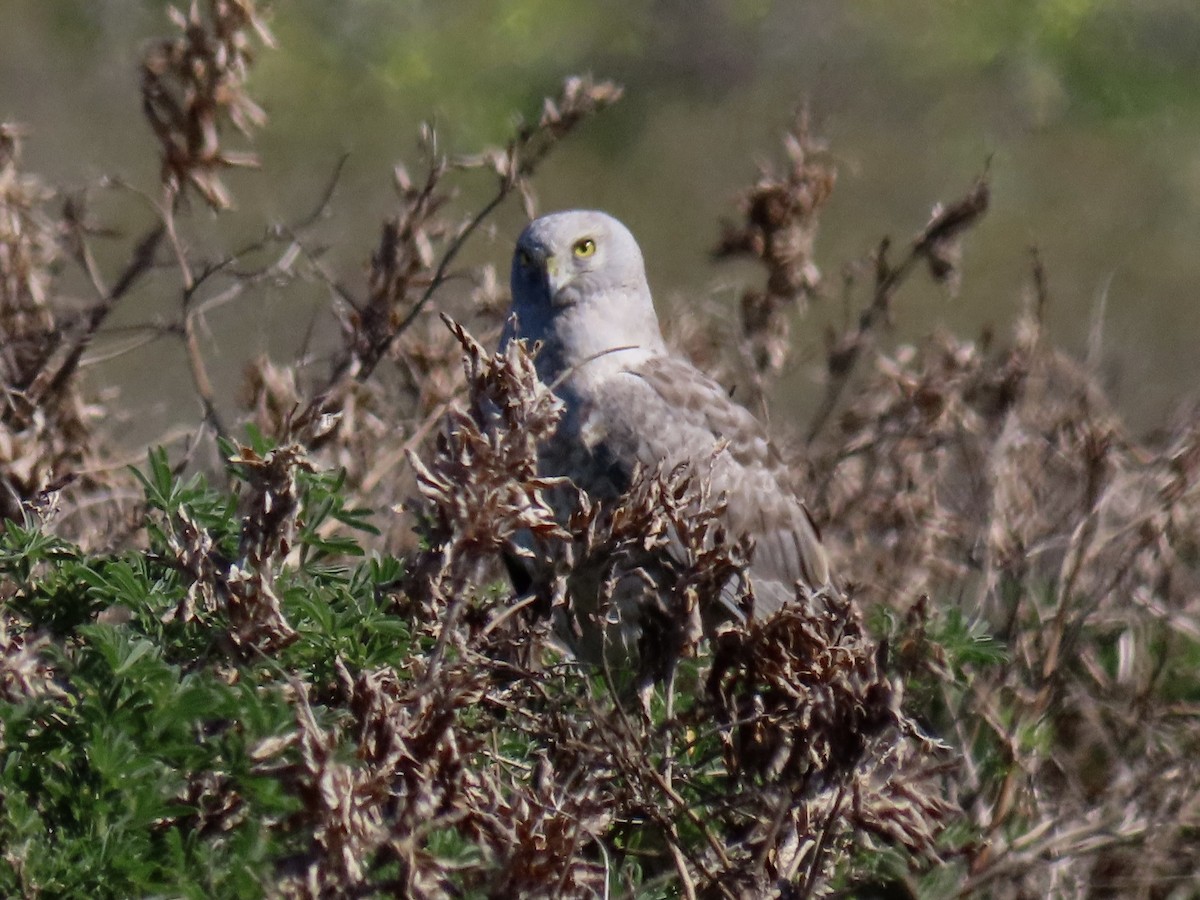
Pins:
x: 596, y: 339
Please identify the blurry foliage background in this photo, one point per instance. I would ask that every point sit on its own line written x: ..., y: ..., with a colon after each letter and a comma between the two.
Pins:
x: 1087, y: 109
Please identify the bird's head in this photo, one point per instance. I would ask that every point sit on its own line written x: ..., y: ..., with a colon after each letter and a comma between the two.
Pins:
x: 579, y: 286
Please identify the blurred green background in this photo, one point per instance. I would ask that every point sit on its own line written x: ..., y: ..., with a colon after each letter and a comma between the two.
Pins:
x: 1088, y: 110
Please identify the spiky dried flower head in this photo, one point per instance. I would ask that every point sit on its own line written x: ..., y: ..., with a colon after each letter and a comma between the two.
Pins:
x: 30, y: 247
x: 45, y: 433
x: 195, y: 83
x: 482, y: 488
x: 781, y: 214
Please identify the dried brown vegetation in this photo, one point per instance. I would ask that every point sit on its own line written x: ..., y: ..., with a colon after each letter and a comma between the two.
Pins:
x: 999, y: 697
x: 1001, y: 481
x: 781, y: 214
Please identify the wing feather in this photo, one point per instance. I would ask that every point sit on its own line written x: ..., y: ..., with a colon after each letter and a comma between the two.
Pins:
x: 668, y: 411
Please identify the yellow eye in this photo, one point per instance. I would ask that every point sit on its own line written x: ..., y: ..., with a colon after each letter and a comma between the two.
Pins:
x: 584, y: 248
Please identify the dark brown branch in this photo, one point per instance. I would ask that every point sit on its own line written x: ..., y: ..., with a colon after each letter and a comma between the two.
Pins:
x: 932, y: 245
x: 49, y: 384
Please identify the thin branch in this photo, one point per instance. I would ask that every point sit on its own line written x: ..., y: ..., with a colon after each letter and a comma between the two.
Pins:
x: 439, y: 275
x: 810, y: 879
x: 323, y: 204
x: 945, y: 226
x: 49, y: 384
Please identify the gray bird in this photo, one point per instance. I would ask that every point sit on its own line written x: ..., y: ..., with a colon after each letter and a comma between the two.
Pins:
x: 579, y: 289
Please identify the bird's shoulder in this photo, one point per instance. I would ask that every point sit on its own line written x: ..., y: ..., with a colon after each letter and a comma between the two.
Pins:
x: 681, y: 412
x: 666, y: 410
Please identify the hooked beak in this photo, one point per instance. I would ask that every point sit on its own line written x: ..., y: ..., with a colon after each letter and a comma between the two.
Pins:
x: 556, y: 280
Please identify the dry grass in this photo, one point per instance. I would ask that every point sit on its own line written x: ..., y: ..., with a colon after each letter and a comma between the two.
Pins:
x: 1000, y: 697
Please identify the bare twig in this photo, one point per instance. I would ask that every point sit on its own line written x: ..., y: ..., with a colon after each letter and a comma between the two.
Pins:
x: 931, y: 245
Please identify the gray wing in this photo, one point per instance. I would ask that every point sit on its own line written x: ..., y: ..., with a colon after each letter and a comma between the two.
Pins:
x: 668, y: 411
